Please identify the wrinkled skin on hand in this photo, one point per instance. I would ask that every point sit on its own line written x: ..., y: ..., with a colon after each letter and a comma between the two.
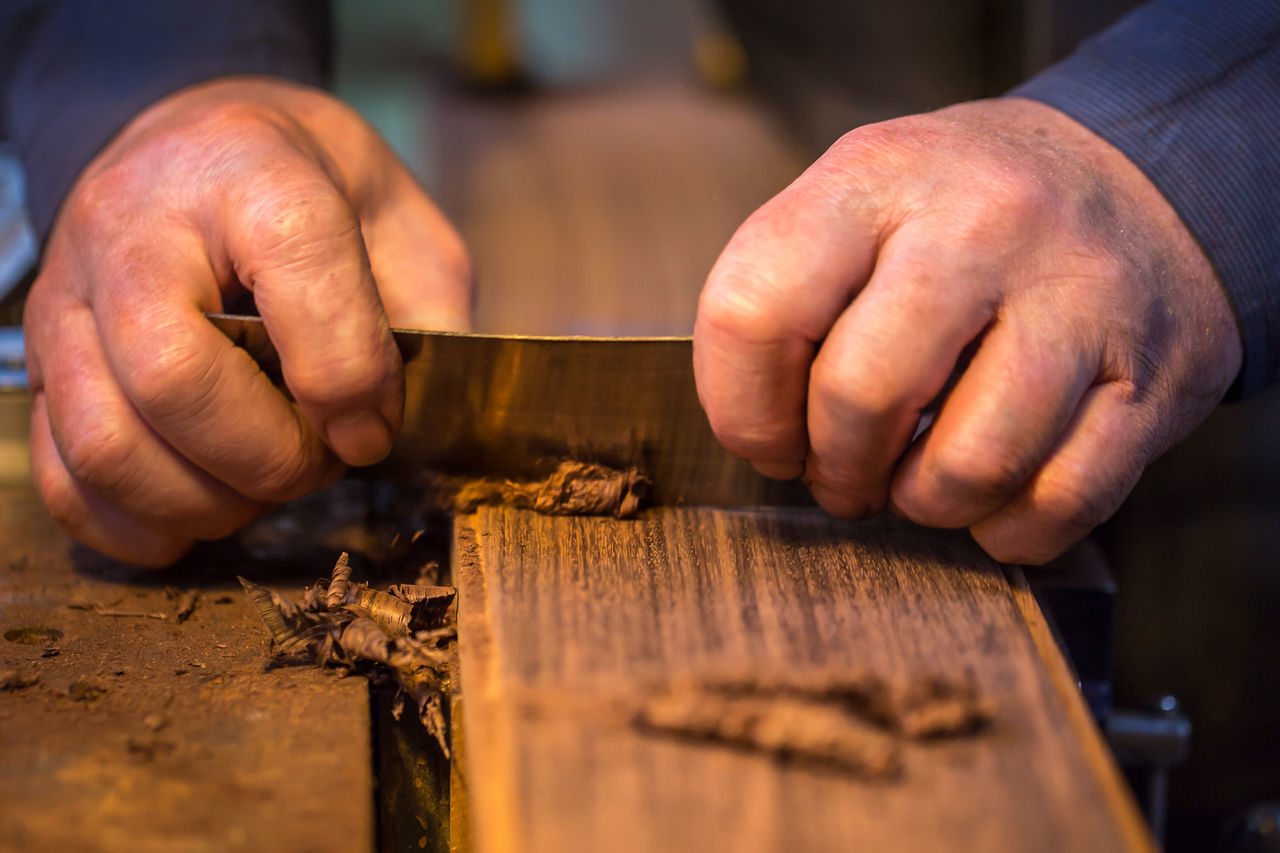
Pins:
x: 998, y: 241
x: 149, y: 429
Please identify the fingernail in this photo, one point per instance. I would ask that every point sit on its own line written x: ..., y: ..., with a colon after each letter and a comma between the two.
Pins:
x: 359, y: 438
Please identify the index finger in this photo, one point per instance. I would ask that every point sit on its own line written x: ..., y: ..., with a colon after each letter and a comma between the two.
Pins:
x: 297, y: 244
x: 775, y: 292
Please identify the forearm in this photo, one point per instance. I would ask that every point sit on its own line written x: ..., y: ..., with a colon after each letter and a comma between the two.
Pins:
x: 1189, y: 91
x: 78, y: 70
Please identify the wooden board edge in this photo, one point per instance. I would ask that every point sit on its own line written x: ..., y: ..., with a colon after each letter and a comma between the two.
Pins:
x: 459, y: 800
x: 1133, y: 828
x: 491, y: 810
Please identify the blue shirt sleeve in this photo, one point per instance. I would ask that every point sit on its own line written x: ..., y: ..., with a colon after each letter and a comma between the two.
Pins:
x: 1189, y: 90
x: 73, y: 72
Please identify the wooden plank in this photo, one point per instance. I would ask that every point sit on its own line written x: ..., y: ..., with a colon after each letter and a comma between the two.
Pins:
x: 177, y: 737
x: 562, y: 616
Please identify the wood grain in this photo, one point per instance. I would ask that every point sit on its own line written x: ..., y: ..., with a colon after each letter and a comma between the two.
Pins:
x: 566, y: 621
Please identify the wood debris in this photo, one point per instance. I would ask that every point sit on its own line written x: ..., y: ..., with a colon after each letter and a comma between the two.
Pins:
x: 11, y: 679
x: 155, y: 722
x: 925, y: 706
x: 404, y: 635
x: 33, y: 635
x: 106, y: 610
x: 853, y: 721
x: 85, y: 689
x: 186, y: 606
x: 131, y: 614
x: 786, y: 727
x: 574, y: 488
x: 935, y: 707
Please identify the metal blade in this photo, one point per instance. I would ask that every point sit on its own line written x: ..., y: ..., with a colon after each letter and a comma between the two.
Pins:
x: 515, y: 407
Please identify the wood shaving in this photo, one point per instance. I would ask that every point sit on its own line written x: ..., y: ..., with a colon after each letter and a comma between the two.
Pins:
x: 934, y: 707
x: 574, y: 488
x: 786, y: 728
x: 129, y: 614
x: 85, y: 689
x: 186, y: 606
x: 11, y: 679
x: 853, y: 721
x: 404, y: 635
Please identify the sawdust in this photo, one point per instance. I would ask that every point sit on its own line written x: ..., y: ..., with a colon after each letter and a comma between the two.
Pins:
x: 852, y: 721
x: 86, y: 689
x: 33, y: 635
x: 186, y: 606
x: 574, y: 488
x: 405, y: 635
x: 932, y: 707
x: 11, y: 679
x: 787, y: 728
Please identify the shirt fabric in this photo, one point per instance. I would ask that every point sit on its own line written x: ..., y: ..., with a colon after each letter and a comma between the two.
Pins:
x: 73, y: 72
x: 1189, y: 90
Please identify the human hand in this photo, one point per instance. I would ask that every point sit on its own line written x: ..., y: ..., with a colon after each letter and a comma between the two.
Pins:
x: 997, y: 239
x: 149, y: 429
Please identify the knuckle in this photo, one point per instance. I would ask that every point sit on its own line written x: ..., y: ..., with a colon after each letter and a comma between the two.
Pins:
x: 984, y: 472
x: 227, y: 118
x: 887, y: 143
x: 214, y: 137
x: 100, y: 453
x: 764, y: 442
x: 59, y: 496
x: 843, y: 500
x: 94, y: 207
x: 1077, y: 502
x: 172, y: 379
x: 454, y: 259
x: 1006, y: 549
x: 291, y: 469
x: 855, y: 392
x: 1015, y: 192
x: 352, y: 381
x: 293, y: 217
x: 741, y: 303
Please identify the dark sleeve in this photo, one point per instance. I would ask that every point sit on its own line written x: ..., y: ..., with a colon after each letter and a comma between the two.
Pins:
x: 73, y: 72
x: 1190, y: 92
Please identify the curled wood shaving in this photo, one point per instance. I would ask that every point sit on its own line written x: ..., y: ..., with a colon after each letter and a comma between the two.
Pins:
x: 574, y: 488
x: 339, y: 582
x: 403, y: 635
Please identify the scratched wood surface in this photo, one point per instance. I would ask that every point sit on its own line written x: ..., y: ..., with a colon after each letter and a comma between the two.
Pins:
x: 142, y: 733
x: 562, y: 616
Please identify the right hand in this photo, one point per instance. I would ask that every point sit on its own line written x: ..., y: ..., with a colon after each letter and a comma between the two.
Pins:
x: 998, y: 241
x: 149, y: 430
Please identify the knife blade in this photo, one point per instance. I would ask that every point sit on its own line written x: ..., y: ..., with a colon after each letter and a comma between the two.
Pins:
x: 515, y: 406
